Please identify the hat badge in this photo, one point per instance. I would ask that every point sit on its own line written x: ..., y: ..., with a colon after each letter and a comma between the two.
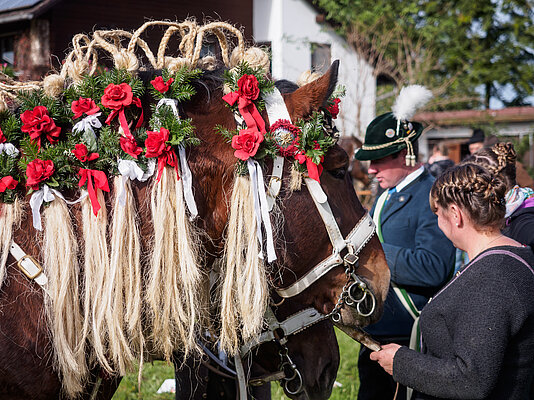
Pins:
x: 390, y: 133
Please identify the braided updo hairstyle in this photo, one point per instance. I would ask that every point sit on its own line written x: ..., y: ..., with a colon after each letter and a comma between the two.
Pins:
x: 499, y: 160
x: 474, y: 189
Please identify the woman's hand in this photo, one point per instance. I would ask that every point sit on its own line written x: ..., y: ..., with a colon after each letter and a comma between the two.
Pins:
x: 385, y: 356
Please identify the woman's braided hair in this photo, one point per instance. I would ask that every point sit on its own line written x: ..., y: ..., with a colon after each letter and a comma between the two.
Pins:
x: 499, y: 160
x: 474, y: 189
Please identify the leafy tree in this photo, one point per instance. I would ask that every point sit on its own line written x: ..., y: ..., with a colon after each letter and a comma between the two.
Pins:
x: 467, y: 51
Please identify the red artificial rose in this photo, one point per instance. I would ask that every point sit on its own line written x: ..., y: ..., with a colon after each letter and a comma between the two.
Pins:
x: 334, y: 108
x: 155, y: 142
x: 246, y: 144
x: 3, y: 139
x: 248, y: 87
x: 83, y: 105
x: 117, y: 96
x: 37, y: 122
x: 82, y: 154
x: 161, y: 86
x: 7, y: 182
x: 129, y: 146
x: 38, y: 171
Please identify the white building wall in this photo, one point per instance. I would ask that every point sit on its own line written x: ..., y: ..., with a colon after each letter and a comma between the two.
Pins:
x: 291, y: 28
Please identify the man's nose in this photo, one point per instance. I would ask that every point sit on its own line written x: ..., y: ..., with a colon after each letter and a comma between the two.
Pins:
x: 372, y: 169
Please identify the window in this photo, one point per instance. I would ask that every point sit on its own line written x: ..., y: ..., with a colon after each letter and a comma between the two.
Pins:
x: 7, y: 53
x: 320, y: 57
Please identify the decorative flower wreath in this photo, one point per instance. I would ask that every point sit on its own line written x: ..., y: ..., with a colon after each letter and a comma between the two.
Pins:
x: 306, y: 142
x: 64, y: 144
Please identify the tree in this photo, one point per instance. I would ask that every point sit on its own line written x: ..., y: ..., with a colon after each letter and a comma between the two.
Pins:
x: 467, y: 51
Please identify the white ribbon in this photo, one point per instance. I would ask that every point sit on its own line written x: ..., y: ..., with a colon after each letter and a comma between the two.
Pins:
x: 130, y: 170
x: 9, y: 149
x: 186, y: 172
x: 86, y: 126
x: 46, y: 194
x: 261, y: 208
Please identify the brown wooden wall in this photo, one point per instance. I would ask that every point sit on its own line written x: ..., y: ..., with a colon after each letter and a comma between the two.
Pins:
x: 69, y: 17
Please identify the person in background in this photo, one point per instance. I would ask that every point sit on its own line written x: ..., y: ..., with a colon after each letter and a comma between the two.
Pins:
x: 439, y: 161
x: 500, y: 160
x: 477, y: 333
x: 476, y: 141
x: 419, y: 255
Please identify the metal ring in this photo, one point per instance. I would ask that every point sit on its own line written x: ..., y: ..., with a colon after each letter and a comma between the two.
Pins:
x: 358, y: 287
x: 372, y: 308
x: 287, y: 381
x: 292, y: 367
x: 336, y: 317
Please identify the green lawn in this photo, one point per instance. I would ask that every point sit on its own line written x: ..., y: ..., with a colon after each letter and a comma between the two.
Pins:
x: 154, y: 375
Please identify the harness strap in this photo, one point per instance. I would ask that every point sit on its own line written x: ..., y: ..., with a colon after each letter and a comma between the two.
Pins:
x: 290, y: 326
x: 28, y: 265
x: 241, y: 378
x: 321, y: 202
x: 276, y: 110
x: 357, y: 239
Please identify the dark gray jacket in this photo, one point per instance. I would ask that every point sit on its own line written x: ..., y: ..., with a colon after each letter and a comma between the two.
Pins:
x: 477, y: 333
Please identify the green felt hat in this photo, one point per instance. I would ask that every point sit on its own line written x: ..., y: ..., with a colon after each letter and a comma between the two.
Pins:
x: 386, y: 135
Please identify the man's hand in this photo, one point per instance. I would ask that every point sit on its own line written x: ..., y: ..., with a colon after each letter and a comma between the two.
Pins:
x: 385, y: 356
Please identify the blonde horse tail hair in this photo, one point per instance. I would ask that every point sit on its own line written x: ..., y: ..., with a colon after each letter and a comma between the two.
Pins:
x: 244, y: 290
x: 123, y: 288
x: 174, y: 277
x: 62, y: 301
x: 10, y: 217
x: 96, y: 273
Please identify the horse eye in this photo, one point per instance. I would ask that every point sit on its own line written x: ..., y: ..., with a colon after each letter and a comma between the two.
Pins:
x: 338, y: 173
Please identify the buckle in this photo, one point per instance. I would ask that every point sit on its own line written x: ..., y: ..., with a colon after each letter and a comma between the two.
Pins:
x: 25, y: 271
x: 350, y: 259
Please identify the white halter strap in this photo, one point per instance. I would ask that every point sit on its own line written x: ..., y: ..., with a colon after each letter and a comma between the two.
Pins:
x: 355, y: 241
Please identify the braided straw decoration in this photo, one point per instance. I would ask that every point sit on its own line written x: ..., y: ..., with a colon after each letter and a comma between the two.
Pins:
x: 122, y: 46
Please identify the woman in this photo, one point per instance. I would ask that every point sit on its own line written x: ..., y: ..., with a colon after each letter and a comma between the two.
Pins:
x: 501, y: 160
x: 478, y: 331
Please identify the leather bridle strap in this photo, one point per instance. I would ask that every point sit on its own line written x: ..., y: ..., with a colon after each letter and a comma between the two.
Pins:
x: 355, y: 242
x: 290, y: 326
x: 276, y: 110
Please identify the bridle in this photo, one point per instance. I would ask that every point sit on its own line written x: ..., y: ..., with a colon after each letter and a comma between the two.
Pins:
x: 355, y: 291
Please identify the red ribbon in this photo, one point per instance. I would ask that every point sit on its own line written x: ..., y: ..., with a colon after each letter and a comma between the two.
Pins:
x: 169, y: 158
x: 247, y: 109
x: 93, y: 178
x: 314, y: 170
x: 122, y: 118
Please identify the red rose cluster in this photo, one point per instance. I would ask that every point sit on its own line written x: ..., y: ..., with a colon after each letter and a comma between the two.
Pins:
x: 38, y: 171
x: 248, y: 141
x: 83, y: 105
x: 160, y: 85
x: 156, y: 146
x: 37, y: 122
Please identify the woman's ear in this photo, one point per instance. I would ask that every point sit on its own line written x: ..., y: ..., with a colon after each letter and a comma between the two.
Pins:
x: 457, y: 215
x: 310, y: 97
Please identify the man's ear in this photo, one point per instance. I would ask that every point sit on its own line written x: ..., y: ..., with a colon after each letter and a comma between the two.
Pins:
x: 312, y: 96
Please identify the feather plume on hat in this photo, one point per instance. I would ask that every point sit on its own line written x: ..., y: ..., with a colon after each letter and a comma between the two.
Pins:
x: 410, y: 99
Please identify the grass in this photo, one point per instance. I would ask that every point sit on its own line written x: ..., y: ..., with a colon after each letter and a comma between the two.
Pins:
x: 154, y: 375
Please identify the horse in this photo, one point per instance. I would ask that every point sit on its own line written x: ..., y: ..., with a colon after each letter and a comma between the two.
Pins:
x: 310, y: 270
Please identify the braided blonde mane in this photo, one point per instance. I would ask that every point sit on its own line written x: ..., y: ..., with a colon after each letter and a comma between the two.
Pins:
x: 115, y: 318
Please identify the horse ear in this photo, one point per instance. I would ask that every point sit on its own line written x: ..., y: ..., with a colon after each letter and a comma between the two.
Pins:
x: 310, y: 97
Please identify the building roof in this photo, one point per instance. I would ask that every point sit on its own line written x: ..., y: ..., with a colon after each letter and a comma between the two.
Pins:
x: 463, y: 117
x: 20, y: 10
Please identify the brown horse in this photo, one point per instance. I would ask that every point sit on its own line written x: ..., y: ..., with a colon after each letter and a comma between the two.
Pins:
x: 29, y: 366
